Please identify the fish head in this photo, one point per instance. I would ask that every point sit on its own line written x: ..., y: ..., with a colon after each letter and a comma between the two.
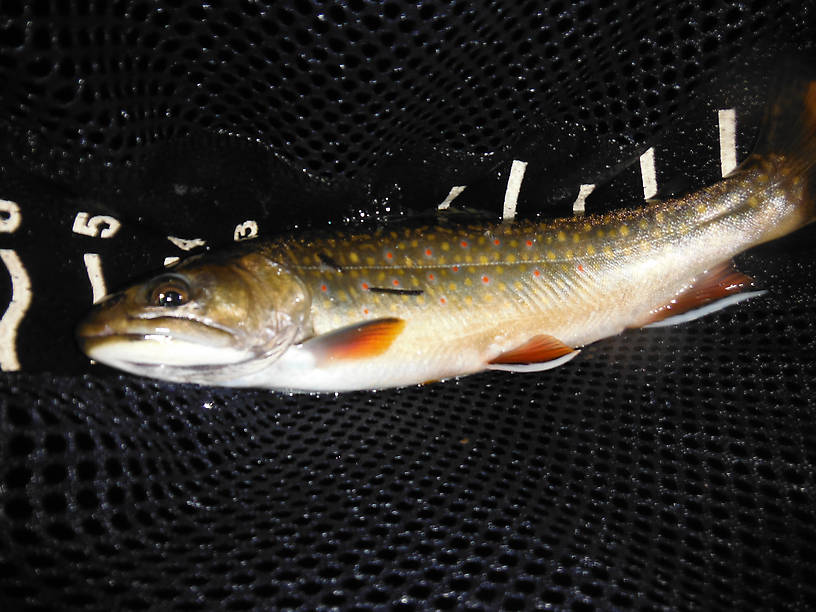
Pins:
x: 208, y: 320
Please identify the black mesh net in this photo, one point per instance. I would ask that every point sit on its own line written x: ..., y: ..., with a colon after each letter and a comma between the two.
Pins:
x: 661, y: 469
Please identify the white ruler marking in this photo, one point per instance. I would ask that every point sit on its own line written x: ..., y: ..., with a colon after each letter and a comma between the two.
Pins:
x: 727, y: 119
x: 517, y: 170
x: 10, y: 218
x: 452, y: 195
x: 186, y: 244
x: 93, y: 264
x: 648, y: 175
x: 101, y: 226
x: 20, y: 301
x: 579, y: 206
x: 169, y: 261
x: 245, y: 231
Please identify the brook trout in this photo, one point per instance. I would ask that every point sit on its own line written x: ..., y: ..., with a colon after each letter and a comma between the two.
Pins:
x: 405, y: 306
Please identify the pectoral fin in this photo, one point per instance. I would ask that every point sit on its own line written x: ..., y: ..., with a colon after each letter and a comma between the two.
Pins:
x: 720, y: 287
x: 358, y: 341
x: 540, y: 353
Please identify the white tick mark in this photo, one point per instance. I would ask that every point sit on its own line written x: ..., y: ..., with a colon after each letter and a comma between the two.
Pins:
x: 452, y: 195
x: 93, y: 264
x: 727, y: 119
x: 648, y: 175
x: 517, y: 170
x: 579, y: 206
x: 20, y: 301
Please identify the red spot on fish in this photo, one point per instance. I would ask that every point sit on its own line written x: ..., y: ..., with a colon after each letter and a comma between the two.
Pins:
x: 389, y: 255
x: 497, y: 242
x: 485, y: 279
x: 428, y: 252
x: 580, y: 268
x: 455, y: 268
x: 324, y: 288
x: 464, y: 244
x: 365, y: 311
x: 537, y: 273
x: 396, y: 282
x: 430, y: 277
x: 365, y: 286
x: 529, y: 243
x: 441, y: 300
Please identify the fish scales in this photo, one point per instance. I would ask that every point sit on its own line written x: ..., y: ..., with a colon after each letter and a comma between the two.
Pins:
x: 406, y: 305
x: 534, y: 275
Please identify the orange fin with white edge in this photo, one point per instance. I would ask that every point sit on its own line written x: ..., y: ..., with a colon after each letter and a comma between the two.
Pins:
x: 542, y: 352
x: 720, y: 287
x: 359, y: 341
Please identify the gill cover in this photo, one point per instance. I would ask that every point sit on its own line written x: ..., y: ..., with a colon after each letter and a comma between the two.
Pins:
x: 208, y: 320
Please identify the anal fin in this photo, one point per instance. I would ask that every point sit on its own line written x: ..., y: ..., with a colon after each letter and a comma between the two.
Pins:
x: 542, y: 352
x: 359, y: 341
x: 720, y: 287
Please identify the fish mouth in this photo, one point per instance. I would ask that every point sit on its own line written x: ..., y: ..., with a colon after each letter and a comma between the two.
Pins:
x: 147, y: 347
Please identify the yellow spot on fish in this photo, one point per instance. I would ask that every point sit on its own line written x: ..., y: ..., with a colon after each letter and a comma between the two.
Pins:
x: 518, y: 286
x: 420, y: 300
x: 607, y: 251
x: 488, y: 297
x: 414, y: 243
x: 568, y: 254
x: 701, y: 208
x: 445, y: 246
x: 753, y: 201
x: 483, y: 259
x: 468, y: 282
x: 511, y: 258
x: 451, y: 286
x: 624, y: 230
x: 502, y: 287
x: 659, y: 217
x: 381, y: 276
x: 600, y: 233
x: 513, y: 243
x: 561, y: 236
x: 590, y: 249
x: 354, y: 258
x: 468, y: 258
x: 414, y: 281
x: 550, y: 255
x: 468, y: 300
x: 370, y: 261
x: 576, y: 237
x: 394, y: 307
x: 480, y: 240
x: 612, y: 232
x: 643, y: 224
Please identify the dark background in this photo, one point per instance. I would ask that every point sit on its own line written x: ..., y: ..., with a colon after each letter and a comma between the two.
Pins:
x: 662, y: 469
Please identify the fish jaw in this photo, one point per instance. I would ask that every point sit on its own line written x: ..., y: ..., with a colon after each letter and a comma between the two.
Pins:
x: 148, y: 348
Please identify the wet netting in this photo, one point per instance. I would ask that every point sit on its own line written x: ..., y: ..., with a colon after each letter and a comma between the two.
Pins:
x: 662, y: 469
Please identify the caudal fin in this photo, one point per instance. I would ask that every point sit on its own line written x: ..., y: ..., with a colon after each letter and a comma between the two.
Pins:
x: 787, y: 141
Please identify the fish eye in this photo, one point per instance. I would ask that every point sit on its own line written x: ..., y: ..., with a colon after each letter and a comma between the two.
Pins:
x: 169, y: 292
